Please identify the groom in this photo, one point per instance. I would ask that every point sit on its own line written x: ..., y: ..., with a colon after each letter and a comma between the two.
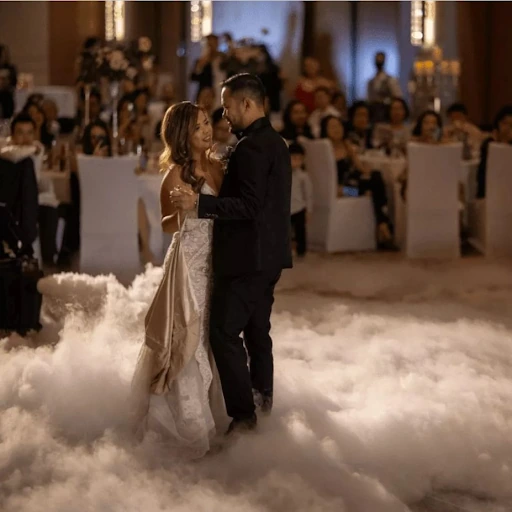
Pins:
x: 251, y: 246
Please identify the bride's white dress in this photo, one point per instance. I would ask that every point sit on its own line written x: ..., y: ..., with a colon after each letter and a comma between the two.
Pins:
x: 185, y: 417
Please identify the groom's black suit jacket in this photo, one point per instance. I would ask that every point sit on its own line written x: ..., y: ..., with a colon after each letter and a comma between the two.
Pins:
x: 252, y: 212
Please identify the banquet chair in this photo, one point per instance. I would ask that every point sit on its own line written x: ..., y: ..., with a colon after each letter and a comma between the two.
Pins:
x: 108, y: 223
x: 432, y: 208
x: 338, y: 224
x: 490, y: 218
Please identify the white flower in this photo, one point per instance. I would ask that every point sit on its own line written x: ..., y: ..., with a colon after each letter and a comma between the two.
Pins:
x: 144, y: 44
x: 131, y: 72
x: 147, y: 63
x: 117, y: 60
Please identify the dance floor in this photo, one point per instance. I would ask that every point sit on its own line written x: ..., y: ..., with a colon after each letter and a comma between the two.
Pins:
x: 393, y: 393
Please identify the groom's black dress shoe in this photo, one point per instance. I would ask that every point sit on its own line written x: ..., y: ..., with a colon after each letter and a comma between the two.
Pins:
x: 263, y: 401
x: 267, y: 403
x: 242, y: 426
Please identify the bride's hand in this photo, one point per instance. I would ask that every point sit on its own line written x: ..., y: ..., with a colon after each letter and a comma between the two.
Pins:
x: 183, y: 199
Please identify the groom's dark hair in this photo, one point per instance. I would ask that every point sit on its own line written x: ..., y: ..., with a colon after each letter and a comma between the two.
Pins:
x: 248, y: 85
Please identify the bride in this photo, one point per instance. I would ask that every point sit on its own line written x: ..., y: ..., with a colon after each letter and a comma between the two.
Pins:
x: 176, y: 387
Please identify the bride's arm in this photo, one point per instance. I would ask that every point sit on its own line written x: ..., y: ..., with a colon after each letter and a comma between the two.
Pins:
x: 169, y: 214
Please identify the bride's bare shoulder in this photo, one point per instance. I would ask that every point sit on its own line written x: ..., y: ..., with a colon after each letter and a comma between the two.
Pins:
x: 172, y: 177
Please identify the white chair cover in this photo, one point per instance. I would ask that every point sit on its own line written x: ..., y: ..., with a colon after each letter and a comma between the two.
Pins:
x: 432, y: 218
x: 494, y: 213
x: 156, y: 111
x: 64, y: 97
x: 149, y: 190
x: 337, y: 224
x: 108, y: 225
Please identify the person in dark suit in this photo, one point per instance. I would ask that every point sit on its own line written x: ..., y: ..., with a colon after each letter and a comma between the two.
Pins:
x: 18, y: 192
x: 251, y: 247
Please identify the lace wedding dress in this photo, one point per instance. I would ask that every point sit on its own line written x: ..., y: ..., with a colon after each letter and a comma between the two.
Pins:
x: 184, y: 418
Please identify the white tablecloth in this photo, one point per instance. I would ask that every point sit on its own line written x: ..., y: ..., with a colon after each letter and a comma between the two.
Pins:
x: 64, y: 97
x: 60, y: 184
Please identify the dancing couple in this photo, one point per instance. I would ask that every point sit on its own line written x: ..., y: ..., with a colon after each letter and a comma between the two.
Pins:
x: 207, y: 349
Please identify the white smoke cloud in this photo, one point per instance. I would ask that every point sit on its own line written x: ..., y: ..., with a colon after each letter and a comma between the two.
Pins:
x: 393, y: 382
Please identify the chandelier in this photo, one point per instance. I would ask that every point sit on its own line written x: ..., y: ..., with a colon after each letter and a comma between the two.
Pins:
x: 114, y: 20
x: 423, y: 23
x: 200, y: 19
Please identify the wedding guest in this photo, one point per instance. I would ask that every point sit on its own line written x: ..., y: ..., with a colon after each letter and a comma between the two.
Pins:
x: 23, y: 132
x: 24, y: 143
x: 392, y: 136
x: 295, y: 121
x: 51, y: 113
x: 360, y: 132
x: 95, y: 107
x: 43, y: 135
x: 323, y: 108
x: 460, y: 128
x: 310, y: 80
x: 96, y: 141
x: 8, y: 81
x: 272, y: 79
x: 130, y: 130
x: 381, y: 89
x: 301, y: 199
x: 168, y: 95
x: 208, y: 69
x: 355, y: 179
x: 222, y: 136
x: 339, y: 102
x: 140, y: 108
x: 502, y: 133
x: 206, y: 100
x: 428, y: 128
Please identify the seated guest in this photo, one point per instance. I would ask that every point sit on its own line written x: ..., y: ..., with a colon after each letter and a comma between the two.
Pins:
x: 130, y: 130
x: 459, y: 127
x: 222, y: 136
x: 429, y: 128
x: 23, y: 133
x: 323, y: 108
x: 42, y: 134
x: 392, y: 136
x: 51, y: 113
x: 502, y: 133
x: 95, y: 108
x: 339, y: 102
x: 206, y: 100
x: 96, y: 141
x: 360, y: 132
x: 295, y: 121
x: 355, y: 179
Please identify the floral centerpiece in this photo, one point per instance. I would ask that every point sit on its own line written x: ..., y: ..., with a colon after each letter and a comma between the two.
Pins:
x: 115, y: 63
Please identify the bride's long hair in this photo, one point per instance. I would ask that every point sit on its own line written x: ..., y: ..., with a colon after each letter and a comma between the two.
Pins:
x: 178, y: 126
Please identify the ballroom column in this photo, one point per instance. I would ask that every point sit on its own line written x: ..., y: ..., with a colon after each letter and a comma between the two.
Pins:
x: 474, y: 40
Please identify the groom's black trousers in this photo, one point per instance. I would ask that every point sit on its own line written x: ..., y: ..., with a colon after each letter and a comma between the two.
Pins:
x: 243, y: 304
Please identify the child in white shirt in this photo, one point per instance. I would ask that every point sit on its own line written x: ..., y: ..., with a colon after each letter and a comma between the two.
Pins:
x: 302, y: 197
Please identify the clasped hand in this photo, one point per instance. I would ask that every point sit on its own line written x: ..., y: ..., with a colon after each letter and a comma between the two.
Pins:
x: 183, y: 199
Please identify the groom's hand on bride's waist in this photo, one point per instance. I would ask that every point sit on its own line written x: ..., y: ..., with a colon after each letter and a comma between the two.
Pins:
x: 183, y: 199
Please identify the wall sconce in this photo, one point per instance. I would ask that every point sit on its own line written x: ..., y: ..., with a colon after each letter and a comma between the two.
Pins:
x: 201, y: 12
x: 114, y: 20
x: 423, y: 23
